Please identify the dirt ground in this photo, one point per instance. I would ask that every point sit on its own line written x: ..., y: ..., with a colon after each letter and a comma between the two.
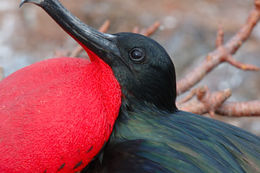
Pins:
x: 188, y: 32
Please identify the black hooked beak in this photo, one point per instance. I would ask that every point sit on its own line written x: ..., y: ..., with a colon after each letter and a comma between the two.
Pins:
x: 99, y: 43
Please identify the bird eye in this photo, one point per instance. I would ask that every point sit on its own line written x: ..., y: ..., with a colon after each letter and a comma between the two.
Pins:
x: 137, y: 55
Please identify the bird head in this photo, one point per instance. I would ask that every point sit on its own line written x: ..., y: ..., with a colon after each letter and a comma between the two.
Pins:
x: 141, y: 65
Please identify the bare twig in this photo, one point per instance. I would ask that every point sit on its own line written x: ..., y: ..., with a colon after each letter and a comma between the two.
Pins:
x: 239, y: 109
x: 105, y: 26
x: 206, y: 102
x: 151, y: 30
x: 222, y: 52
x: 220, y: 37
x: 187, y: 98
x: 76, y: 51
x: 242, y: 66
x: 147, y: 31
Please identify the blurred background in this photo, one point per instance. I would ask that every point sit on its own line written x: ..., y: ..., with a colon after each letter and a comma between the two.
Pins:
x: 188, y: 33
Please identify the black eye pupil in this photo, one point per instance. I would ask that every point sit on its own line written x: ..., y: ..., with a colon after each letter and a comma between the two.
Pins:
x: 137, y: 54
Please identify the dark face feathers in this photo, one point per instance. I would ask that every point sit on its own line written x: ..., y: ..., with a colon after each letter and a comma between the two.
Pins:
x: 145, y: 70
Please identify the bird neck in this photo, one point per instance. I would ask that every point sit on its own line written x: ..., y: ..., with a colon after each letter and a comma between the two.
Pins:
x: 157, y: 94
x: 135, y: 118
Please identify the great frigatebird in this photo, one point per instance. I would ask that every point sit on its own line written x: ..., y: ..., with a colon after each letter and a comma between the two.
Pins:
x: 151, y: 134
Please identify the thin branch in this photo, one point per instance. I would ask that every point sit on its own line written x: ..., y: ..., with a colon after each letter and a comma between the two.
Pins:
x: 242, y: 66
x: 187, y: 98
x: 216, y: 57
x: 76, y: 51
x: 239, y: 109
x: 151, y: 30
x: 206, y: 101
x: 105, y: 26
x: 220, y: 37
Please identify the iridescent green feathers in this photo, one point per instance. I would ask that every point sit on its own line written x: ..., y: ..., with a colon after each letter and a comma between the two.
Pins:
x: 151, y: 141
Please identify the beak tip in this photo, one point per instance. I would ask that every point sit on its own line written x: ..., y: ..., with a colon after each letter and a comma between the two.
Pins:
x: 37, y: 2
x: 22, y: 2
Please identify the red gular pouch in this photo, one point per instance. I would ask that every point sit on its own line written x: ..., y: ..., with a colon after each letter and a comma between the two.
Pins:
x: 56, y: 115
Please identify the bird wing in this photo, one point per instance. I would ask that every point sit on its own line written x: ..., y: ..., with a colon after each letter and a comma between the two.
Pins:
x: 181, y: 142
